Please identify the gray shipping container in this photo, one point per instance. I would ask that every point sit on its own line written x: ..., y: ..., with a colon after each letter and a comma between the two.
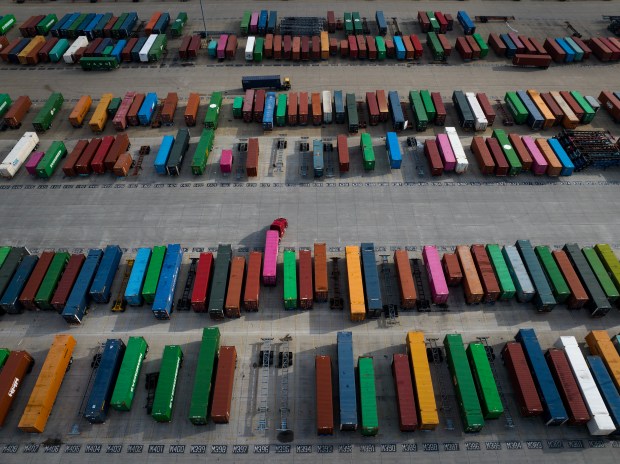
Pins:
x: 523, y: 284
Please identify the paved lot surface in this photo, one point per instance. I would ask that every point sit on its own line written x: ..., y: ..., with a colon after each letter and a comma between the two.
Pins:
x: 393, y: 209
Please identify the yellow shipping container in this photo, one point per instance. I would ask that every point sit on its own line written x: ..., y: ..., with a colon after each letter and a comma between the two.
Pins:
x: 601, y: 345
x: 422, y: 381
x: 100, y: 117
x: 356, y: 286
x: 36, y: 41
x: 324, y: 45
x: 76, y: 118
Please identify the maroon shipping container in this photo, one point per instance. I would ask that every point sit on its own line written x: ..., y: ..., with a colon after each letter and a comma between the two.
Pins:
x: 324, y: 395
x: 120, y: 118
x: 434, y: 160
x: 292, y: 106
x: 613, y: 45
x: 303, y: 108
x: 121, y: 145
x: 487, y: 109
x: 578, y: 295
x: 33, y: 56
x: 277, y: 47
x: 570, y: 101
x: 248, y: 105
x: 224, y: 383
x: 79, y: 54
x: 497, y: 44
x: 537, y: 61
x: 44, y: 53
x: 194, y: 47
x: 182, y: 48
x: 132, y: 114
x: 452, y: 267
x: 522, y: 152
x: 69, y: 167
x: 343, y: 153
x: 268, y: 50
x: 92, y: 46
x: 202, y: 281
x: 331, y: 22
x: 373, y: 108
x: 96, y: 164
x: 287, y: 46
x: 540, y: 50
x: 232, y: 307
x: 352, y: 47
x: 450, y: 20
x: 169, y: 107
x: 251, y: 295
x: 463, y: 48
x: 13, y: 118
x: 390, y: 49
x: 69, y: 276
x: 131, y: 43
x: 4, y: 42
x: 610, y: 102
x: 344, y: 48
x: 600, y: 50
x: 361, y: 47
x: 567, y: 387
x: 259, y: 105
x: 305, y: 48
x: 554, y: 50
x: 371, y: 47
x: 83, y: 164
x: 316, y: 48
x: 231, y: 47
x: 4, y: 53
x: 501, y: 164
x: 425, y: 23
x: 384, y: 111
x: 483, y: 156
x: 417, y: 46
x: 443, y: 23
x: 251, y: 164
x: 445, y: 44
x: 26, y: 299
x: 587, y: 51
x: 29, y: 27
x: 409, y: 50
x: 306, y: 286
x: 333, y: 46
x: 558, y: 114
x: 475, y: 48
x: 521, y: 378
x: 440, y: 109
x: 405, y: 401
x: 490, y: 286
x: 515, y: 40
x: 527, y: 45
x: 18, y: 364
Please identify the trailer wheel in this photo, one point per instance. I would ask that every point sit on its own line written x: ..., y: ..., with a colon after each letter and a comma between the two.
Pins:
x: 29, y: 370
x: 69, y: 365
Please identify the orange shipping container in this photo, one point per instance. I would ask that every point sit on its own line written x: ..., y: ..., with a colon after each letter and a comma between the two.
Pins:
x: 306, y: 289
x: 35, y: 44
x: 251, y: 162
x: 600, y: 345
x: 317, y: 110
x: 123, y: 165
x: 471, y: 282
x: 148, y: 29
x: 235, y: 285
x: 554, y: 167
x: 132, y: 114
x: 169, y: 107
x: 406, y: 285
x: 252, y: 282
x: 383, y: 105
x: 100, y: 116
x: 324, y: 45
x: 268, y: 49
x: 224, y: 383
x: 486, y: 273
x: 76, y: 118
x: 303, y: 108
x: 321, y: 289
x: 292, y: 109
x: 452, y: 269
x: 191, y: 110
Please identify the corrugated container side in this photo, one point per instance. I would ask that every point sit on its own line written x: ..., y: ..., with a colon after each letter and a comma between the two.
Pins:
x: 224, y: 384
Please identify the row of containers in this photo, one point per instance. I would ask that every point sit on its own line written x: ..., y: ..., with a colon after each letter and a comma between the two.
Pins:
x: 561, y: 385
x: 587, y: 277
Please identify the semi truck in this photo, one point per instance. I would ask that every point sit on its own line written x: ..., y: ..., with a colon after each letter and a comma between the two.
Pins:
x: 266, y: 82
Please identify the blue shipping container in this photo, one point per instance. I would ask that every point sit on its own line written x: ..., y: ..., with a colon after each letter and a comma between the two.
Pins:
x: 9, y: 301
x: 118, y: 49
x: 98, y: 30
x: 570, y: 53
x: 273, y: 22
x: 511, y: 48
x: 89, y: 32
x: 96, y: 410
x: 164, y: 296
x: 78, y: 298
x: 317, y: 157
x: 400, y: 47
x: 576, y: 48
x: 346, y: 382
x: 381, y: 24
x: 393, y: 150
x: 339, y: 107
x: 262, y: 22
x: 16, y: 49
x: 554, y: 411
x: 398, y: 120
x: 65, y: 27
x: 55, y: 30
x: 81, y: 30
x: 145, y: 114
x: 463, y: 18
x: 370, y: 276
x: 607, y: 388
x: 161, y: 160
x: 270, y: 105
x: 523, y: 284
x: 133, y: 292
x: 102, y: 46
x: 9, y: 267
x: 162, y: 24
x: 544, y: 299
x: 129, y: 24
x: 534, y: 118
x: 567, y: 165
x: 101, y: 288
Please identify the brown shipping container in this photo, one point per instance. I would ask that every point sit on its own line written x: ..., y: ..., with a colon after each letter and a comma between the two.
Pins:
x: 277, y: 47
x: 132, y: 114
x: 83, y: 165
x: 483, y: 156
x: 487, y: 109
x: 434, y: 160
x: 404, y: 276
x: 572, y: 103
x: 4, y: 42
x: 121, y: 144
x: 224, y: 384
x: 501, y: 164
x: 191, y: 110
x: 490, y: 286
x: 557, y: 53
x: 475, y: 48
x: 522, y: 153
x: 26, y: 299
x: 248, y: 105
x: 321, y: 288
x: 315, y: 54
x: 13, y: 118
x: 445, y: 44
x: 409, y: 50
x: 287, y: 47
x: 371, y: 47
x: 251, y: 164
x: 538, y: 61
x: 231, y: 47
x: 405, y: 401
x: 169, y: 107
x: 425, y: 23
x: 373, y: 108
x: 18, y: 364
x: 558, y: 114
x: 463, y: 48
x: 324, y: 395
x: 529, y: 48
x: 69, y: 276
x: 554, y: 166
x: 612, y: 44
x: 292, y: 109
x: 331, y: 21
x: 4, y: 53
x: 268, y: 47
x: 343, y: 153
x: 44, y: 53
x: 33, y: 55
x: 362, y: 53
x: 333, y: 46
x: 472, y: 286
x: 497, y: 44
x: 69, y: 168
x: 131, y: 43
x: 608, y: 101
x: 296, y: 49
x: 452, y: 269
x: 252, y: 281
x: 540, y: 50
x: 92, y: 46
x: 306, y: 287
x: 303, y: 108
x: 522, y: 381
x: 77, y: 115
x: 578, y: 295
x: 235, y: 287
x: 79, y: 54
x: 344, y: 48
x: 259, y: 105
x: 450, y: 20
x: 587, y: 51
x: 440, y: 109
x: 194, y: 47
x: 317, y: 109
x: 384, y: 111
x: 517, y: 43
x: 305, y: 48
x: 123, y: 165
x: 567, y: 386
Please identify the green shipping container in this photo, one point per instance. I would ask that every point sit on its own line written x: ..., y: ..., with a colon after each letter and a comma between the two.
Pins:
x: 281, y: 110
x: 609, y: 260
x: 152, y: 274
x: 99, y: 63
x: 4, y: 252
x: 368, y: 396
x: 48, y: 286
x: 368, y: 154
x: 484, y: 48
x: 348, y: 24
x: 201, y: 155
x: 429, y: 106
x: 129, y: 373
x: 511, y: 155
x: 59, y: 50
x: 435, y: 45
x: 238, y: 107
x: 113, y: 106
x: 5, y: 103
x: 107, y: 51
x: 419, y: 113
x: 43, y: 119
x: 556, y: 280
x: 46, y: 24
x: 205, y: 376
x: 259, y: 45
x: 51, y: 160
x: 352, y: 112
x: 434, y: 23
x: 290, y: 280
x: 516, y: 107
x: 117, y: 25
x: 72, y: 31
x: 166, y: 384
x: 506, y: 285
x: 213, y: 110
x: 588, y: 111
x: 4, y: 355
x: 357, y: 23
x: 490, y: 400
x: 381, y: 51
x: 6, y: 23
x: 611, y: 292
x: 157, y: 50
x: 245, y: 22
x: 177, y: 26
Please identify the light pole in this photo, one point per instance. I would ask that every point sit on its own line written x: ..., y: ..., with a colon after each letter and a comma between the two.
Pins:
x: 204, y: 24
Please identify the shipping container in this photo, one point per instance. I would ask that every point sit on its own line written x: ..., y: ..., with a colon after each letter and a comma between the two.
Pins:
x: 547, y: 115
x: 161, y: 160
x: 29, y: 292
x: 483, y: 155
x: 18, y: 154
x: 123, y: 165
x: 224, y: 383
x: 610, y: 262
x: 392, y: 147
x: 428, y: 418
x: 163, y: 303
x: 567, y: 165
x: 45, y: 292
x: 324, y: 395
x: 599, y: 343
x: 205, y: 376
x: 523, y: 285
x: 306, y: 288
x: 398, y: 119
x: 259, y: 105
x: 202, y: 281
x: 502, y: 273
x: 602, y: 276
x: 370, y: 278
x: 368, y: 397
x: 352, y: 116
x: 561, y: 291
x: 66, y: 282
x: 435, y: 47
x: 169, y: 107
x: 177, y: 153
x: 567, y: 387
x: 578, y: 296
x: 93, y: 155
x: 406, y: 285
x: 472, y: 286
x: 346, y: 382
x: 51, y: 160
x: 201, y: 154
x: 128, y: 374
x: 99, y: 119
x: 521, y: 151
x: 282, y: 103
x: 100, y: 290
x: 289, y: 266
x: 535, y: 120
x: 464, y: 20
x: 232, y: 306
x: 466, y: 117
x: 431, y: 150
x: 490, y: 284
x: 554, y: 167
x: 436, y: 277
x: 152, y: 274
x: 120, y: 145
x: 177, y: 26
x: 16, y: 366
x: 516, y: 107
x: 445, y: 151
x: 557, y: 112
x: 45, y: 391
x: 405, y: 401
x: 251, y: 164
x: 588, y: 112
x: 133, y: 290
x: 31, y: 164
x: 544, y: 299
x: 598, y: 303
x: 522, y: 380
x: 490, y: 400
x: 251, y: 295
x: 451, y: 269
x: 355, y: 284
x: 368, y: 153
x: 535, y: 61
x: 163, y: 401
x: 606, y: 386
x: 191, y: 110
x: 221, y: 273
x: 77, y: 304
x: 11, y: 263
x: 9, y: 302
x: 420, y: 115
x: 43, y: 119
x: 96, y: 408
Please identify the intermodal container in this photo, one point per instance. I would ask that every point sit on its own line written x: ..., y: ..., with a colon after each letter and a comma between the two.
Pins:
x: 48, y: 286
x: 352, y: 116
x: 539, y: 163
x: 599, y: 343
x: 161, y: 160
x: 610, y: 262
x: 522, y: 153
x: 534, y: 119
x: 567, y: 165
x: 202, y: 281
x: 406, y: 285
x: 16, y: 366
x: 436, y: 277
x: 93, y: 155
x: 121, y: 145
x: 133, y: 291
x: 604, y: 280
x: 588, y: 112
x: 232, y: 306
x: 132, y: 113
x: 570, y: 119
x: 606, y: 386
x: 251, y: 295
x: 472, y: 286
x: 289, y: 266
x: 544, y: 299
x: 77, y: 303
x: 567, y: 387
x: 221, y: 273
x: 368, y: 153
x: 578, y: 296
x: 306, y: 288
x: 451, y: 269
x: 163, y: 401
x: 29, y: 292
x: 428, y: 417
x: 177, y: 153
x: 500, y: 162
x: 370, y: 277
x: 392, y: 147
x: 224, y: 383
x: 66, y: 282
x: 152, y: 274
x: 343, y: 153
x: 163, y: 303
x: 483, y: 155
x: 561, y: 291
x: 547, y: 115
x: 516, y: 107
x: 43, y: 119
x: 431, y: 150
x: 502, y: 274
x: 556, y: 111
x: 368, y: 396
x: 201, y: 154
x: 465, y: 115
x: 11, y: 262
x: 191, y: 110
x: 346, y: 382
x: 51, y: 159
x: 554, y: 167
x: 100, y: 290
x: 324, y: 395
x: 523, y: 285
x: 598, y: 303
x: 490, y: 284
x: 99, y: 119
x: 356, y: 287
x: 405, y: 400
x: 420, y: 114
x: 490, y: 400
x: 128, y: 374
x: 522, y: 380
x: 204, y: 379
x: 96, y: 408
x: 10, y: 298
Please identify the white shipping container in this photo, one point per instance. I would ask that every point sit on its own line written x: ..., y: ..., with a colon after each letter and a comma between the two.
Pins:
x: 601, y: 422
x: 81, y: 41
x: 327, y: 107
x: 563, y: 105
x: 459, y: 153
x: 481, y: 120
x: 17, y: 156
x: 594, y: 103
x: 144, y: 51
x: 249, y: 48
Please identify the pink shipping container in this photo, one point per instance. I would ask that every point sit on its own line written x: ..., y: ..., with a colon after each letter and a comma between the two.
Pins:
x: 221, y: 46
x: 226, y: 161
x: 31, y: 164
x: 254, y: 23
x: 539, y: 163
x: 446, y: 153
x: 120, y: 118
x: 272, y: 242
x: 436, y: 277
x: 515, y: 39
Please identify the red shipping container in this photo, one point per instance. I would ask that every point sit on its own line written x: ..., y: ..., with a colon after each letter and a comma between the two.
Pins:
x: 107, y: 29
x: 69, y: 167
x: 4, y: 42
x: 286, y: 47
x: 132, y: 114
x: 570, y: 101
x: 268, y: 50
x: 231, y: 47
x: 445, y: 44
x: 501, y: 164
x: 522, y: 381
x: 371, y: 47
x: 450, y: 20
x: 4, y: 53
x: 463, y: 48
x: 434, y: 160
x: 344, y: 48
x: 306, y: 286
x: 303, y: 108
x: 169, y: 107
x: 540, y: 50
x: 44, y: 53
x: 613, y: 45
x: 490, y: 285
x: 131, y: 43
x: 182, y: 48
x: 404, y: 276
x: 390, y: 49
x: 487, y: 109
x: 483, y: 156
x: 224, y: 384
x: 277, y: 47
x: 343, y: 153
x: 305, y: 48
x: 373, y: 108
x: 443, y: 23
x: 578, y: 296
x: 97, y: 164
x: 202, y: 281
x: 537, y: 61
x: 321, y: 286
x: 558, y: 114
x: 425, y: 23
x: 417, y: 46
x: 405, y: 401
x: 90, y: 49
x: 440, y: 109
x: 26, y: 299
x: 83, y: 165
x: 497, y: 44
x: 259, y: 105
x: 600, y: 50
x: 291, y: 112
x: 194, y: 47
x: 315, y: 54
x: 248, y: 105
x: 324, y: 395
x: 608, y: 101
x: 527, y: 45
x: 522, y: 152
x: 235, y: 285
x: 352, y: 47
x: 251, y: 164
x: 121, y: 145
x: 515, y: 40
x: 567, y: 387
x: 296, y: 53
x: 252, y: 282
x: 331, y: 22
x: 68, y: 278
x: 13, y: 118
x: 18, y: 364
x: 191, y: 110
x: 475, y: 48
x: 333, y: 46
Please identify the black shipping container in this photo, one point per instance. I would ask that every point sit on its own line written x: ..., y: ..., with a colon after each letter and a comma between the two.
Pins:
x: 9, y: 267
x: 10, y: 300
x: 221, y: 271
x: 179, y: 148
x: 466, y: 117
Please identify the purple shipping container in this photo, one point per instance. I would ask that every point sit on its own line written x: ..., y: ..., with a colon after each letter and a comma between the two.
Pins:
x: 254, y: 23
x: 226, y: 161
x: 436, y: 277
x: 272, y: 242
x: 446, y: 153
x: 31, y: 164
x: 539, y: 163
x: 221, y: 46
